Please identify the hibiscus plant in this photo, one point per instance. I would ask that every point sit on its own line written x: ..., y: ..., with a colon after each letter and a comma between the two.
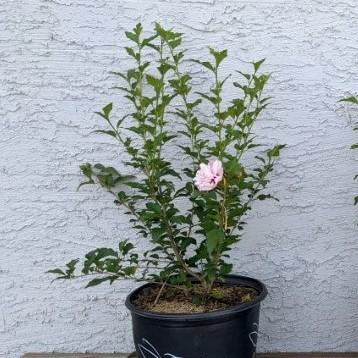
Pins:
x: 191, y: 211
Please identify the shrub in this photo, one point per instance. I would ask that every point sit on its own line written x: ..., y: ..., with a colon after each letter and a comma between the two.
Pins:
x: 191, y: 217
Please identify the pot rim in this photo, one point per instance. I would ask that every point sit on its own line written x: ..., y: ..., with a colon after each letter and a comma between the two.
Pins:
x: 204, y: 316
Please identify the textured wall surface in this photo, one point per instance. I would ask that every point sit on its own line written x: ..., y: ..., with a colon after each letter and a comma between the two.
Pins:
x: 55, y: 58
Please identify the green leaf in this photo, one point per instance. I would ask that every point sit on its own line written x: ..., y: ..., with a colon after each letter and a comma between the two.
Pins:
x: 101, y: 253
x: 275, y: 151
x: 132, y: 53
x: 107, y: 110
x: 131, y: 36
x: 138, y: 29
x: 213, y: 237
x: 56, y: 271
x: 218, y: 55
x: 154, y: 207
x: 125, y: 247
x: 107, y: 132
x: 351, y: 99
x: 266, y: 196
x: 148, y: 42
x: 211, y: 99
x: 354, y: 146
x: 68, y: 273
x: 109, y: 177
x: 258, y: 64
x: 205, y: 64
x: 156, y: 83
x: 97, y: 281
x: 134, y: 36
x: 225, y: 268
x: 211, y: 274
x: 157, y: 234
x: 130, y: 270
x: 234, y: 167
x: 246, y: 75
x: 356, y: 200
x: 175, y: 43
x: 86, y: 170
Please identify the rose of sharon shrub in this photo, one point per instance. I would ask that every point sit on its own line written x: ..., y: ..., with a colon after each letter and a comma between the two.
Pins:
x: 191, y: 217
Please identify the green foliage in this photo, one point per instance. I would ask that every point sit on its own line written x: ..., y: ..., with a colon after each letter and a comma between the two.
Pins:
x: 107, y: 177
x: 68, y: 272
x: 353, y: 100
x: 193, y: 242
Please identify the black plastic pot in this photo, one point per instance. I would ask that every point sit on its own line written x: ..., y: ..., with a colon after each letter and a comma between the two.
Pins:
x: 226, y: 333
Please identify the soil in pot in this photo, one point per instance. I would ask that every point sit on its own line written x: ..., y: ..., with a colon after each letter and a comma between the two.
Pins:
x: 227, y: 329
x: 179, y: 300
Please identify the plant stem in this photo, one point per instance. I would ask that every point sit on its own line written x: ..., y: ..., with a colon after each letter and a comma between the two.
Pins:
x: 159, y: 293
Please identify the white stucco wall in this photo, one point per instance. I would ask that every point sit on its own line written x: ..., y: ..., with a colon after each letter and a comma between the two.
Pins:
x: 55, y: 58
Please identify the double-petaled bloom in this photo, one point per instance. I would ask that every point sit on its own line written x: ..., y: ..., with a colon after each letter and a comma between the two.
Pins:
x: 209, y: 175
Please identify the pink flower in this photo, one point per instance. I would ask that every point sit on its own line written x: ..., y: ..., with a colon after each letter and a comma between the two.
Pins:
x: 209, y: 175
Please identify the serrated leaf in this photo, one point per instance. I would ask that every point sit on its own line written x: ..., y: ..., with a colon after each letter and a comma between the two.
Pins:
x: 132, y: 36
x: 132, y: 53
x: 218, y: 55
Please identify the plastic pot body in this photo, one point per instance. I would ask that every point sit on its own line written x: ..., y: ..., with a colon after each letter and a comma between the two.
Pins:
x: 226, y: 333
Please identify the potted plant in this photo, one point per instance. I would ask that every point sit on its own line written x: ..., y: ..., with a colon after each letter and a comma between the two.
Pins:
x: 191, y: 211
x: 354, y: 100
